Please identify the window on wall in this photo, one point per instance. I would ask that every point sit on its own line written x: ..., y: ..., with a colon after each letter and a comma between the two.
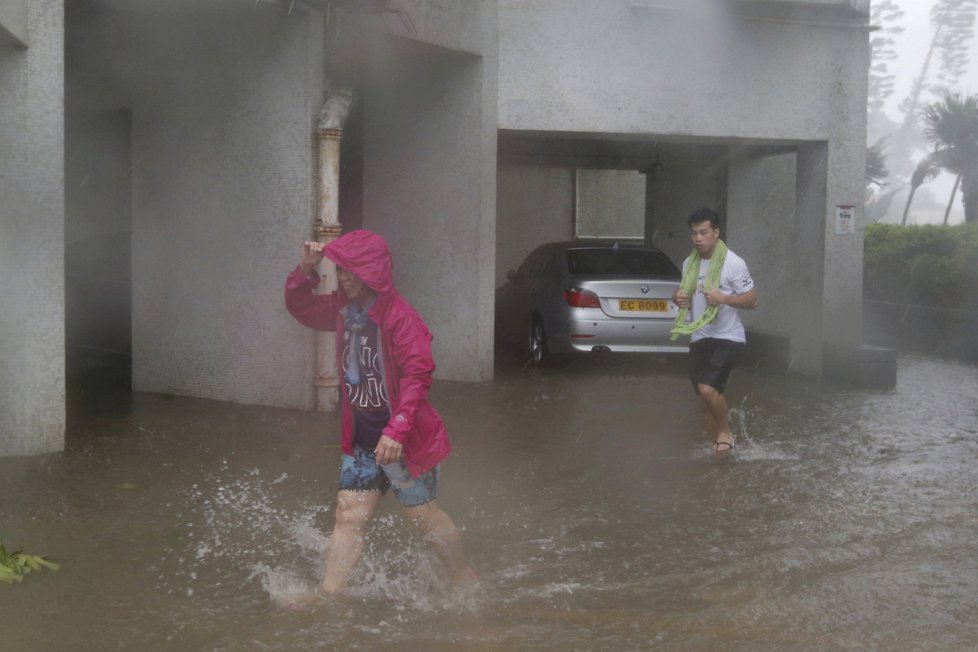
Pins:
x: 610, y: 204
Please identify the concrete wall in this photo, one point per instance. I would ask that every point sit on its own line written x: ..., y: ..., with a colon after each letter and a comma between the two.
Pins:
x: 622, y: 67
x: 610, y: 204
x: 678, y: 187
x: 430, y: 181
x: 32, y: 355
x: 222, y: 199
x: 534, y: 205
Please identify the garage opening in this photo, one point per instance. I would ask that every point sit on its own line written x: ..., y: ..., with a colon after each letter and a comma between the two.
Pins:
x: 640, y: 189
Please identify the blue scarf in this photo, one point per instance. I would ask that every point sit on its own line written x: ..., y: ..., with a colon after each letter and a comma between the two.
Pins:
x: 355, y: 320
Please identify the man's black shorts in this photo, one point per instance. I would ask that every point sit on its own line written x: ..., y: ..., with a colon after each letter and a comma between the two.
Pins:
x: 711, y: 361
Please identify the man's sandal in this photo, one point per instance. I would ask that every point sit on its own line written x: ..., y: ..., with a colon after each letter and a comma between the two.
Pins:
x: 729, y: 446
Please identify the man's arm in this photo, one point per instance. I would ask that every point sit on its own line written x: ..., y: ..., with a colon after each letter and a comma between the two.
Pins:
x: 680, y: 299
x: 745, y: 301
x: 738, y: 279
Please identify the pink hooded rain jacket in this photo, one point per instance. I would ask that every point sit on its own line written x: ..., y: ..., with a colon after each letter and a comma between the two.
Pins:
x: 405, y: 344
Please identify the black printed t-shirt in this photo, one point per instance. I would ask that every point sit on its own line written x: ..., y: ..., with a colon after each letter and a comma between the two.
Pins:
x: 368, y: 400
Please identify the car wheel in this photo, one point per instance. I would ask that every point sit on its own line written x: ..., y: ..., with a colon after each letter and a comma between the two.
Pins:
x: 538, y: 343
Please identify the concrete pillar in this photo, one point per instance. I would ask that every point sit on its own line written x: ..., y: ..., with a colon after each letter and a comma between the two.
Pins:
x: 843, y: 262
x: 844, y: 355
x: 32, y: 346
x: 808, y: 284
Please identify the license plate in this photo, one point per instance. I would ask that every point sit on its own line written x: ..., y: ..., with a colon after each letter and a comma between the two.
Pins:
x: 643, y: 305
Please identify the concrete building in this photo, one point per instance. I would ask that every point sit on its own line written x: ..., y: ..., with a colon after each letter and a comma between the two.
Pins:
x: 161, y: 162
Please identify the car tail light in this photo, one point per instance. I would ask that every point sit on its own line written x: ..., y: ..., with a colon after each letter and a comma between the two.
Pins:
x: 578, y: 298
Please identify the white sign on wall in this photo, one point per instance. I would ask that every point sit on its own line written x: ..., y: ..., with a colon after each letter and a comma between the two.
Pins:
x: 845, y: 220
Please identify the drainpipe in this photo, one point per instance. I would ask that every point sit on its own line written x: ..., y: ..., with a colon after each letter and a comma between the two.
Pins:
x: 327, y: 228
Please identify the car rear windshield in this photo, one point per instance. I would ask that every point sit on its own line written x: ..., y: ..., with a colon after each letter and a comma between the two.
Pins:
x: 620, y: 262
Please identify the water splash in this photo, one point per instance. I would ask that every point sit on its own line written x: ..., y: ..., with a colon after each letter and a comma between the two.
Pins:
x: 765, y: 447
x: 244, y: 529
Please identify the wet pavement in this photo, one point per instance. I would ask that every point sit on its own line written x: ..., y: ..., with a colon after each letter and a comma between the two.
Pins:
x: 591, y: 505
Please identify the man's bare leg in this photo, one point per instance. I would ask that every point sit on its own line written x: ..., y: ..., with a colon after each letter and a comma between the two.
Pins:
x: 446, y: 540
x: 715, y: 409
x: 353, y: 511
x: 711, y: 424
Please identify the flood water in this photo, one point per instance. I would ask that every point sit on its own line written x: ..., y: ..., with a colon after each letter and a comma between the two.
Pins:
x: 591, y: 506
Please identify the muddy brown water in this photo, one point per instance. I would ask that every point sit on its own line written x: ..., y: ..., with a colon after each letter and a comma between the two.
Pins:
x: 598, y: 519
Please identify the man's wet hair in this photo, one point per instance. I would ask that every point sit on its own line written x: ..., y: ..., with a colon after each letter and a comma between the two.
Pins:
x: 703, y: 215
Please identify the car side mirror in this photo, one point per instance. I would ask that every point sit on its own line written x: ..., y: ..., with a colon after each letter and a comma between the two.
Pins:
x: 510, y: 275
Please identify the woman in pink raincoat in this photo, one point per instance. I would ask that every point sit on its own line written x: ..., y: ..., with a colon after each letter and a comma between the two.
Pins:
x: 391, y: 436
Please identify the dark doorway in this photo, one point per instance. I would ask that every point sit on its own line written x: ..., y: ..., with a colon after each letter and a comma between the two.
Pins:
x: 98, y: 332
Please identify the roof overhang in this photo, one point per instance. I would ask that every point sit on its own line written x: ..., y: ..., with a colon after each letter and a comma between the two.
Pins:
x: 828, y: 13
x: 13, y: 23
x: 640, y: 152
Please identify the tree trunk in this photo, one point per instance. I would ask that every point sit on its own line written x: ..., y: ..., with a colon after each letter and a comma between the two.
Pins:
x: 906, y: 209
x: 950, y: 202
x: 969, y: 195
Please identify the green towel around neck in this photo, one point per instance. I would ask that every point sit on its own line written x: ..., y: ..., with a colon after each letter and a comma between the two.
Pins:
x: 688, y: 286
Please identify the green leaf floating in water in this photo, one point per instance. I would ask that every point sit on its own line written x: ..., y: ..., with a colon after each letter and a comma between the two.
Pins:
x: 13, y: 566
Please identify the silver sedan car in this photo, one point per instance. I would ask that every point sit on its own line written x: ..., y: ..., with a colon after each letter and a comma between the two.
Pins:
x: 584, y: 296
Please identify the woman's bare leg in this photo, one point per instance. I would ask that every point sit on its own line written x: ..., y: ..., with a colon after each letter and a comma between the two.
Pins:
x: 353, y: 511
x: 440, y: 530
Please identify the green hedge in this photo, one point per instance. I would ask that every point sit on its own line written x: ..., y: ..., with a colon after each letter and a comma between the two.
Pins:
x: 927, y: 265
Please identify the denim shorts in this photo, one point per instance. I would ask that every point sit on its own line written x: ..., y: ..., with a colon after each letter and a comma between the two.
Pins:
x: 360, y: 472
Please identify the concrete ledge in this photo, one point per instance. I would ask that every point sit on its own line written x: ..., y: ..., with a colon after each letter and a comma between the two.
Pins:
x: 944, y: 331
x: 864, y: 365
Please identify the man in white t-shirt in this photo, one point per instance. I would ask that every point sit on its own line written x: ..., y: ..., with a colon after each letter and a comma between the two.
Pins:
x: 714, y: 346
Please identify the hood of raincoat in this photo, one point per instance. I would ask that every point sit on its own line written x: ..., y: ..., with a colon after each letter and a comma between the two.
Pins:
x: 367, y: 255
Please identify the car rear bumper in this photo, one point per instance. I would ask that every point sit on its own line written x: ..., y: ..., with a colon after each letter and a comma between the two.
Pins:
x: 649, y: 335
x: 624, y: 348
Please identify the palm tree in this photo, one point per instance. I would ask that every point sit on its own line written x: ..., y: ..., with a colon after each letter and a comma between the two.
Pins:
x: 950, y: 201
x: 876, y: 171
x: 928, y: 168
x: 951, y: 125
